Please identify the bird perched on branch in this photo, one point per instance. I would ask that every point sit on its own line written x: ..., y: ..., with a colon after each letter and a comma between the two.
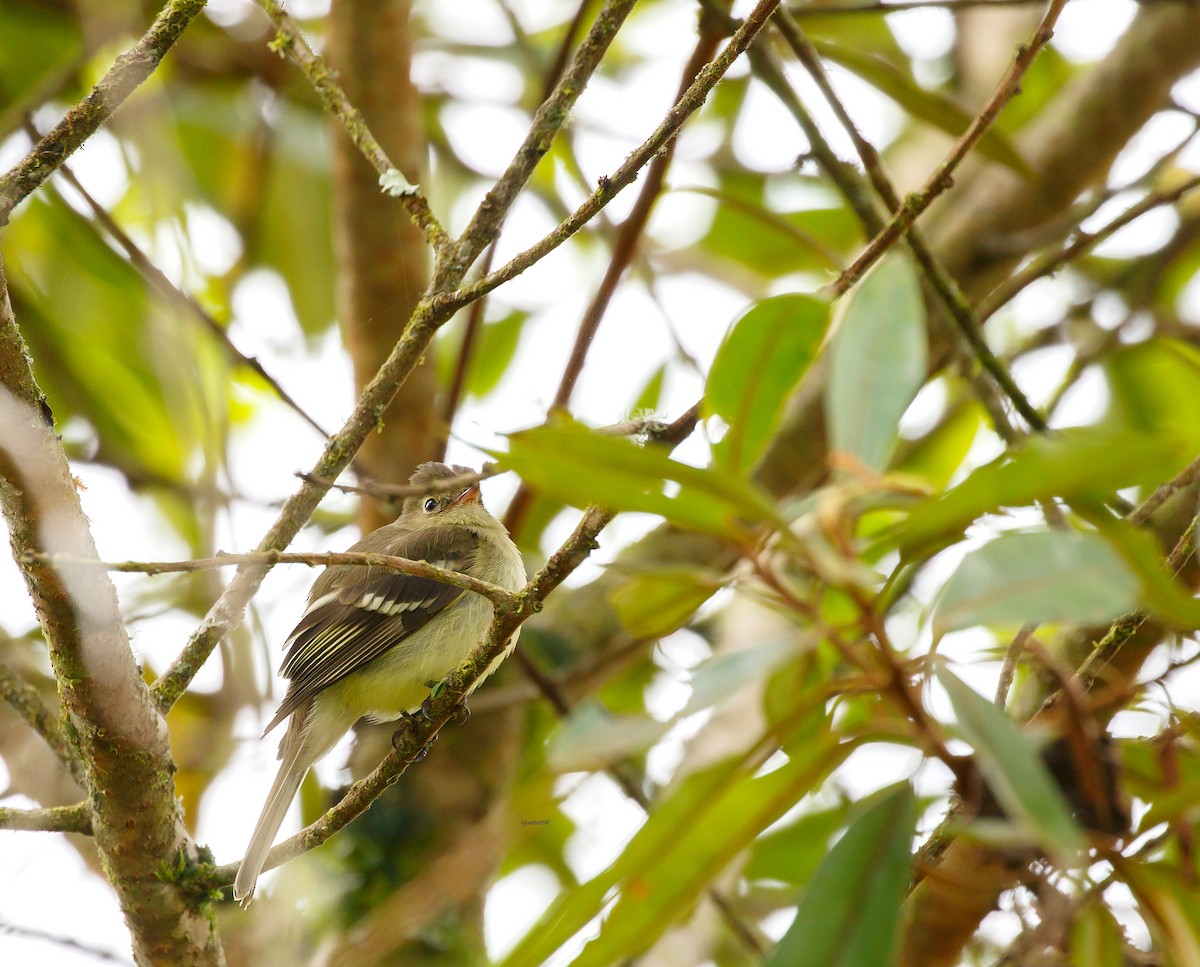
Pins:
x: 372, y: 640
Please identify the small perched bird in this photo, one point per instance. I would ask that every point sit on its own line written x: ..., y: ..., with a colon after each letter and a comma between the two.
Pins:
x: 372, y: 640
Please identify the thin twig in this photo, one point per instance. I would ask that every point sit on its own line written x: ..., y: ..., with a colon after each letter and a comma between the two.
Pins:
x: 628, y: 172
x: 27, y: 702
x: 158, y: 280
x: 1008, y: 670
x: 89, y: 951
x: 85, y: 117
x: 1185, y: 478
x: 1083, y: 243
x: 289, y: 39
x: 421, y: 569
x: 941, y: 180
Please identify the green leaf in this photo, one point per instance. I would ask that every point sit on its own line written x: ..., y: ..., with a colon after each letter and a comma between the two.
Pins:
x: 1036, y: 576
x: 673, y: 858
x: 928, y: 106
x: 222, y: 135
x: 747, y: 231
x: 568, y: 461
x: 719, y: 677
x: 592, y: 738
x: 936, y: 457
x: 792, y: 854
x: 651, y: 395
x: 108, y: 349
x: 1144, y: 771
x: 1154, y: 389
x: 655, y: 603
x: 1096, y: 938
x: 497, y: 346
x: 876, y: 361
x: 1170, y: 907
x: 1074, y: 463
x: 795, y: 698
x: 850, y: 914
x: 1161, y: 593
x: 785, y: 225
x: 38, y: 44
x: 1014, y: 771
x: 762, y: 359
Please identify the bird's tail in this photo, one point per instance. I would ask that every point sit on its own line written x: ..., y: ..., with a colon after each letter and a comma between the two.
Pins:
x: 292, y: 770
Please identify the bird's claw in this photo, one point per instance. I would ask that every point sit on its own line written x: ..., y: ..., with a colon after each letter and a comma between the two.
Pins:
x: 460, y: 714
x: 407, y: 732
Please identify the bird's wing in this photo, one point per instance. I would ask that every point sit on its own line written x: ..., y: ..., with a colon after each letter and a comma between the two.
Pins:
x: 358, y: 613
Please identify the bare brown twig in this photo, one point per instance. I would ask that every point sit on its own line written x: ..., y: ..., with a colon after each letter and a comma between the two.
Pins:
x: 684, y: 108
x: 942, y: 178
x: 423, y: 569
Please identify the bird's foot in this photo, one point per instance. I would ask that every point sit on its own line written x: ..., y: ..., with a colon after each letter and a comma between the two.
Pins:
x: 460, y: 714
x: 407, y: 733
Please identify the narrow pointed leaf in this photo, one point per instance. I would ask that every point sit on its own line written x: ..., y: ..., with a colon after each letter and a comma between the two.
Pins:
x: 572, y: 463
x: 850, y: 914
x: 1075, y: 463
x: 673, y: 858
x: 1096, y: 939
x: 876, y: 362
x: 761, y: 361
x: 1015, y: 773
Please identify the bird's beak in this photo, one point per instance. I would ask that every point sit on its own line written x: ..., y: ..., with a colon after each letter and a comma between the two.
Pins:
x: 469, y: 496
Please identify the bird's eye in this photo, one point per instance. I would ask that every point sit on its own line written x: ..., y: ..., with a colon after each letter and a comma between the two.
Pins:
x: 430, y: 505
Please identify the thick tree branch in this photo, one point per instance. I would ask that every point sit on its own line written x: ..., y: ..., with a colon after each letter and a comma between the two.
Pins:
x: 121, y: 738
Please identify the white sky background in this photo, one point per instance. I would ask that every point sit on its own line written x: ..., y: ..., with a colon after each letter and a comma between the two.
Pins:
x: 610, y: 122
